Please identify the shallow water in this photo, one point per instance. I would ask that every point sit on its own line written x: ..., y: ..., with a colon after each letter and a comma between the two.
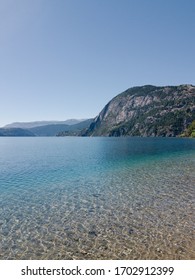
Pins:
x: 97, y: 198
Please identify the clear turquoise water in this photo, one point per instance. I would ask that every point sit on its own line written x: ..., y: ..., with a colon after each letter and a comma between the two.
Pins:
x: 97, y: 198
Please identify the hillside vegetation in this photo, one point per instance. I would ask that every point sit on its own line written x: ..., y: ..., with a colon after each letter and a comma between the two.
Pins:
x: 190, y: 131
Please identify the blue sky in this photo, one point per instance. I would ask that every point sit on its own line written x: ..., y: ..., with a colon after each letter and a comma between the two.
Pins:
x: 62, y: 59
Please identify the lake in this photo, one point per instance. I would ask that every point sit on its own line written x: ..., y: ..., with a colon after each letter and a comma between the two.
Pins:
x: 97, y: 198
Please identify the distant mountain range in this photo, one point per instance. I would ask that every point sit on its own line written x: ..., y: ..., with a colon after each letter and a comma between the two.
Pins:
x: 56, y: 129
x: 53, y: 128
x: 148, y: 110
x: 15, y: 132
x: 27, y: 125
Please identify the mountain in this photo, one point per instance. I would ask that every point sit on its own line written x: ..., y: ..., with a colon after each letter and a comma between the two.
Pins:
x: 146, y: 111
x: 56, y: 129
x: 48, y: 130
x: 27, y: 125
x: 15, y: 132
x: 76, y: 129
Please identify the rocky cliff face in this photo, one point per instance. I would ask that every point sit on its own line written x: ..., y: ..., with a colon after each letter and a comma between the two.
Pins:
x: 147, y: 111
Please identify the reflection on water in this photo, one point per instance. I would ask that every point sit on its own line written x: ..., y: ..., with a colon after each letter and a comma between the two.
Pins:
x: 97, y: 198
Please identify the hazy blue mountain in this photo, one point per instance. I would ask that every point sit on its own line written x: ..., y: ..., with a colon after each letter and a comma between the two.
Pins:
x: 76, y: 129
x: 26, y: 125
x: 56, y: 129
x: 15, y: 132
x: 146, y: 111
x: 48, y: 130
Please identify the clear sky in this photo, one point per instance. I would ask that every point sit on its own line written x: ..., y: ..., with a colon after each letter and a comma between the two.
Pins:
x: 62, y: 59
